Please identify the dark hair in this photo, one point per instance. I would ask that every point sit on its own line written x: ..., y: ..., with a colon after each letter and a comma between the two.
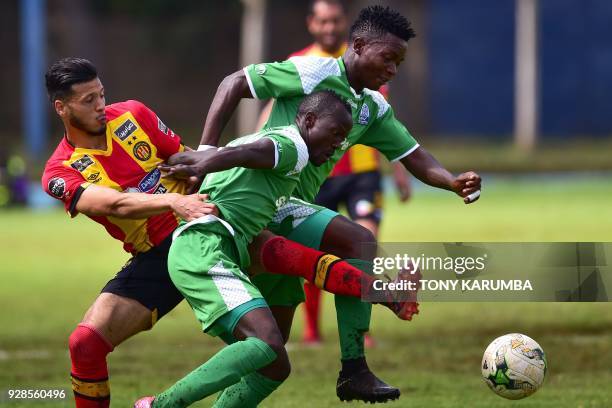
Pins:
x: 313, y: 3
x: 66, y: 72
x: 376, y: 21
x: 323, y: 103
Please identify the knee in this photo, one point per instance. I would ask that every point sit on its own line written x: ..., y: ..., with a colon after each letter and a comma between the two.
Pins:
x: 281, y: 365
x: 353, y: 247
x: 87, y: 345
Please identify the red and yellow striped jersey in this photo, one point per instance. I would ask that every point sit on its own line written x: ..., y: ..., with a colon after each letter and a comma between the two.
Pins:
x: 359, y: 158
x: 136, y: 142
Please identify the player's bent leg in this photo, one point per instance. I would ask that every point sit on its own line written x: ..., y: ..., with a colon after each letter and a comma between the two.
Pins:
x: 248, y: 370
x: 117, y: 318
x: 254, y: 387
x: 131, y: 302
x: 108, y: 322
x: 283, y: 315
x: 355, y: 381
x: 89, y: 372
x: 204, y: 263
x: 368, y: 224
x: 282, y: 256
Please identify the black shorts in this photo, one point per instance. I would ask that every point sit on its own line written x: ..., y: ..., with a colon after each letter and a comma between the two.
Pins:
x: 360, y: 192
x: 145, y: 278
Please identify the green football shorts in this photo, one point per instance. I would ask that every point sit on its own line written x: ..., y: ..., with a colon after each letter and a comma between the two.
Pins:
x: 301, y: 222
x: 204, y: 264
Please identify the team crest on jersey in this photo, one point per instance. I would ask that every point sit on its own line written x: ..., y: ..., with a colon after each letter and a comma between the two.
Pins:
x: 57, y: 187
x: 81, y: 164
x: 364, y: 115
x: 149, y: 182
x: 142, y: 151
x: 125, y: 129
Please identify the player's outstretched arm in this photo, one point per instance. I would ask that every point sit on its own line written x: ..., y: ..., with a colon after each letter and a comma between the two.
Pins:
x: 104, y: 201
x: 233, y: 88
x: 427, y: 169
x: 256, y: 155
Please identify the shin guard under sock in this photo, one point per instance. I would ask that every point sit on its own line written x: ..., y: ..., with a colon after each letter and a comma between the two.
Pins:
x: 248, y: 393
x: 88, y: 351
x: 222, y: 370
x: 282, y: 256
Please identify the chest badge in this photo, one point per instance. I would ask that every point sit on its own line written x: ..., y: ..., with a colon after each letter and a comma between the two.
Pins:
x: 364, y: 115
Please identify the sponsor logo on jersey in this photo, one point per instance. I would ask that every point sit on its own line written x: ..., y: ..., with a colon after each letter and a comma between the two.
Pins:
x: 260, y: 69
x: 364, y: 115
x: 345, y: 144
x: 83, y: 163
x: 163, y: 128
x: 57, y: 187
x: 125, y: 129
x: 149, y: 182
x: 161, y: 189
x: 93, y: 177
x: 142, y: 151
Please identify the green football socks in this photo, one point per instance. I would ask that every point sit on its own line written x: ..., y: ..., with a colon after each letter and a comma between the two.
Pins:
x: 353, y: 318
x: 248, y: 393
x: 222, y: 370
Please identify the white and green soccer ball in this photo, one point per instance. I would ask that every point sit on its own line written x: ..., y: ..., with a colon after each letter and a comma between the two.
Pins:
x: 514, y: 366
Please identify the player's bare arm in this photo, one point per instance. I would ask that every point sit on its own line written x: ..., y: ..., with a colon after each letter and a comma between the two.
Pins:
x: 233, y: 88
x: 256, y: 155
x: 103, y: 201
x: 402, y: 182
x: 427, y: 169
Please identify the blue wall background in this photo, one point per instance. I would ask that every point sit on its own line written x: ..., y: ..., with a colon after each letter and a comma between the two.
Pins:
x: 471, y: 50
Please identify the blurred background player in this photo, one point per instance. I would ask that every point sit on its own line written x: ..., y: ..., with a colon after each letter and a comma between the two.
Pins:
x: 355, y: 181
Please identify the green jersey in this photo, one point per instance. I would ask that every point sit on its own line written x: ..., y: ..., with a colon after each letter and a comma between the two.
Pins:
x: 247, y: 199
x: 374, y: 123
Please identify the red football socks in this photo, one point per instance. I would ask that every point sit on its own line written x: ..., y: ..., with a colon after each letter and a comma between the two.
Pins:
x: 282, y: 256
x: 312, y: 308
x: 88, y: 350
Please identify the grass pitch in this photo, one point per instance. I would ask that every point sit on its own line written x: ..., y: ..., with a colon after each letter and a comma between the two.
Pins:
x: 53, y: 267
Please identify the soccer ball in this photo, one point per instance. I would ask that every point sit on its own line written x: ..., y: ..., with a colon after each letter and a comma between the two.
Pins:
x: 514, y: 366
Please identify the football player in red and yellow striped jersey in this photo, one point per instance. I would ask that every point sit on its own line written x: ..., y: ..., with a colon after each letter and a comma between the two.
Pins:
x: 105, y: 167
x: 135, y: 142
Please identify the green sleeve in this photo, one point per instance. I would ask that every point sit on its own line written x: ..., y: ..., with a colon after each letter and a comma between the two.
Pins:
x: 298, y: 76
x: 390, y: 137
x: 291, y: 153
x: 273, y: 80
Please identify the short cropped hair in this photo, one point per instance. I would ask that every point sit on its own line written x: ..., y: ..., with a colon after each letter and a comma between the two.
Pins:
x: 66, y: 72
x: 323, y: 103
x: 376, y: 21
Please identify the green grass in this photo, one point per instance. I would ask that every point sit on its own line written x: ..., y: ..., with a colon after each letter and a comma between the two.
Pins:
x: 53, y: 267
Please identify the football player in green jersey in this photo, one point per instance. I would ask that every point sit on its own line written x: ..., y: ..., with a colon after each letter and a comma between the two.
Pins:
x: 377, y: 46
x: 249, y: 179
